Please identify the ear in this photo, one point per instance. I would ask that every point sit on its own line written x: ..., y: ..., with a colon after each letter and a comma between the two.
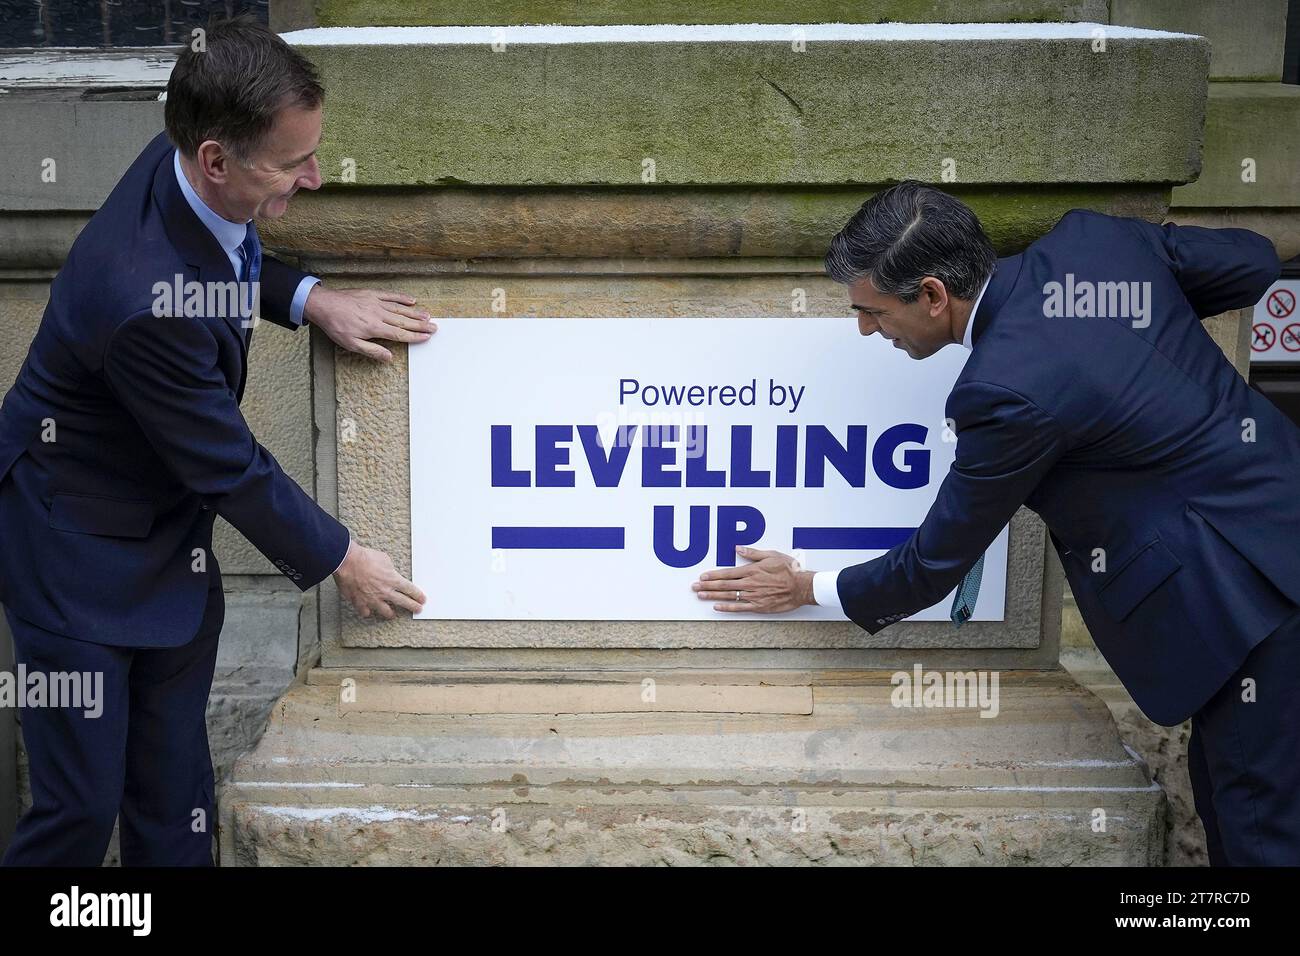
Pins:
x: 936, y: 295
x: 213, y: 161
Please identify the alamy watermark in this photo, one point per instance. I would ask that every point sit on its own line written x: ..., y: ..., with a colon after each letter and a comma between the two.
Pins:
x: 75, y: 908
x: 76, y: 690
x: 923, y: 688
x: 225, y: 300
x: 1085, y: 300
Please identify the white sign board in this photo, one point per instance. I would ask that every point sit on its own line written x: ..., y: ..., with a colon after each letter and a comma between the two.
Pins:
x: 591, y: 469
x: 1275, y: 326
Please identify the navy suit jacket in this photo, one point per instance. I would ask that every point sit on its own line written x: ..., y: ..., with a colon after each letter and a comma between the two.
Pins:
x: 122, y: 438
x: 1170, y: 488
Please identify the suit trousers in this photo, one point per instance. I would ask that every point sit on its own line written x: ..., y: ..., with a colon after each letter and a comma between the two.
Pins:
x: 144, y: 755
x: 1244, y: 757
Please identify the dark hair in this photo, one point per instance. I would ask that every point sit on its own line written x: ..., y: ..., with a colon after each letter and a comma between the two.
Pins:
x: 229, y: 83
x: 910, y: 231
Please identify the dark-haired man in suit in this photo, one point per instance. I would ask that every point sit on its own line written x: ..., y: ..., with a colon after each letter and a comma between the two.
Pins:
x: 1094, y: 396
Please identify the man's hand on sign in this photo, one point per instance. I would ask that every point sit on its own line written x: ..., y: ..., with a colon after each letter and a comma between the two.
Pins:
x: 773, y: 583
x: 369, y: 582
x: 353, y: 317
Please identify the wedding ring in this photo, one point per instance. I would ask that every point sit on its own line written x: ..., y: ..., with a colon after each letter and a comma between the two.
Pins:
x: 737, y: 597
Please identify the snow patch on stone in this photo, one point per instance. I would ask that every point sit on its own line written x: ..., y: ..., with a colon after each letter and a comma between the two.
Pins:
x: 713, y: 33
x: 72, y: 66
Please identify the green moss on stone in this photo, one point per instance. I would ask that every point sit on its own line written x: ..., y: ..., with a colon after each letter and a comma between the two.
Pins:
x: 1003, y: 111
x: 669, y: 222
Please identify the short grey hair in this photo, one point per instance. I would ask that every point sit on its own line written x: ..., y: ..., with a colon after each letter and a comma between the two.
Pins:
x: 910, y: 231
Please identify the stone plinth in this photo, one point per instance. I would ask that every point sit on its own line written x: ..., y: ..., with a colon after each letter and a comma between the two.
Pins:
x: 472, y: 177
x: 855, y: 781
x: 678, y: 173
x: 744, y: 105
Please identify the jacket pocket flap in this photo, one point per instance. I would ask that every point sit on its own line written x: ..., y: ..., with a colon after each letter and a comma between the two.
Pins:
x: 1143, y: 573
x: 93, y: 514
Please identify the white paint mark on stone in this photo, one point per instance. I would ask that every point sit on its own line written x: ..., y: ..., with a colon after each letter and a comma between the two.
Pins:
x: 1148, y: 789
x: 288, y: 784
x: 374, y: 814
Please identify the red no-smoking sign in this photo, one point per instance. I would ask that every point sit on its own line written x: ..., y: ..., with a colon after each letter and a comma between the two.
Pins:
x: 1281, y: 303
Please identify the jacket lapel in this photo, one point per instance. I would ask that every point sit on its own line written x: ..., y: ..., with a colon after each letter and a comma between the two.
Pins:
x: 198, y: 247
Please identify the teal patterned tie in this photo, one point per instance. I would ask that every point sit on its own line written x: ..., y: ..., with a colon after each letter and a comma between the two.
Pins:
x: 963, y: 605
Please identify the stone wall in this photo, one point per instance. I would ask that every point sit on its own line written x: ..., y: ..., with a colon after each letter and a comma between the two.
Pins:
x: 468, y: 179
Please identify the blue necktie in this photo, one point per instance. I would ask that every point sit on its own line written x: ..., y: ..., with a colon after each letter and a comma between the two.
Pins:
x: 250, y: 272
x: 963, y: 605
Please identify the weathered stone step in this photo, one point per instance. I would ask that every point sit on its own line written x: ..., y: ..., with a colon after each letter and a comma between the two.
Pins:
x: 746, y: 104
x: 571, y: 697
x: 865, y: 779
x: 855, y: 736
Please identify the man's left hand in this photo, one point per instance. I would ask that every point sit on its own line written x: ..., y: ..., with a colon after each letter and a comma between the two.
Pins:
x: 353, y: 317
x: 773, y: 583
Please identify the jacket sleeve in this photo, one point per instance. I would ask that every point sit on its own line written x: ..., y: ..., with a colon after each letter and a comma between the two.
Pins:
x: 1005, y: 445
x: 1218, y: 269
x: 277, y: 285
x: 164, y: 370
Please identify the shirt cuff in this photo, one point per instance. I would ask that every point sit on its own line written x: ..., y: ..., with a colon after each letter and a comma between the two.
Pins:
x: 826, y: 590
x: 346, y: 551
x: 300, y: 299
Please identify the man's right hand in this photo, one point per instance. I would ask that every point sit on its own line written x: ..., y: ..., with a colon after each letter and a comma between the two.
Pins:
x: 370, y: 583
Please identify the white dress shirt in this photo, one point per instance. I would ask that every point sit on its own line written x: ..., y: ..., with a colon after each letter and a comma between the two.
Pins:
x: 826, y: 591
x: 230, y: 236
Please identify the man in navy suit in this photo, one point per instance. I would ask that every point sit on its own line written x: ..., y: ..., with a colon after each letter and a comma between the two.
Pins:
x: 1094, y: 396
x: 122, y: 440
